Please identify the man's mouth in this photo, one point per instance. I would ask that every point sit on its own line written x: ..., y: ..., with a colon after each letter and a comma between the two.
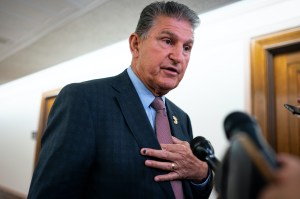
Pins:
x: 171, y: 69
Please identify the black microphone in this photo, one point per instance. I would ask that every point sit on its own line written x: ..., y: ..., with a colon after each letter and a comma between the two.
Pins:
x: 239, y: 122
x: 204, y: 151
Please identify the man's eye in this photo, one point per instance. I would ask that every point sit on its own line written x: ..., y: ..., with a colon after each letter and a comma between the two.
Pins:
x: 187, y: 48
x: 168, y: 41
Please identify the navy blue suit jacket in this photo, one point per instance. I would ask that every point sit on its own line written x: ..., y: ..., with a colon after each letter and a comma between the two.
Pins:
x: 91, y: 146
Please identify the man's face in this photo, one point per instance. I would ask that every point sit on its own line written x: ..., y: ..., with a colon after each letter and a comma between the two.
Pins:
x: 162, y: 57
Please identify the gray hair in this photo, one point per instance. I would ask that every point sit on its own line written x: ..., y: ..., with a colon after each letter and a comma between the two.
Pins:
x: 170, y: 9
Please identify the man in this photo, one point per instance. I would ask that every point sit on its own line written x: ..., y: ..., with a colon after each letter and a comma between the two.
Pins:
x: 100, y: 140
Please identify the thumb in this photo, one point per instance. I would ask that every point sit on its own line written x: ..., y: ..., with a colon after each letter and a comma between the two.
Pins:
x: 176, y: 140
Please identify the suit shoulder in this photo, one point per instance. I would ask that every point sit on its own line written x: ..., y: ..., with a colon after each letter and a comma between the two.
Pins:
x: 94, y: 85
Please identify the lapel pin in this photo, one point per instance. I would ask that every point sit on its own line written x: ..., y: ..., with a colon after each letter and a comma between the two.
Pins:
x: 175, y: 120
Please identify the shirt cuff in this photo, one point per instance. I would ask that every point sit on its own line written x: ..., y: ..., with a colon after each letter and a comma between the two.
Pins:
x: 203, y: 183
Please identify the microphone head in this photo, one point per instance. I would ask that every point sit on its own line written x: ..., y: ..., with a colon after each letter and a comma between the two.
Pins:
x: 239, y: 121
x: 204, y: 151
x: 201, y: 148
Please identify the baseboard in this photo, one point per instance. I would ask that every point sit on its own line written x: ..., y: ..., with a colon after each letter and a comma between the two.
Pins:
x: 6, y: 193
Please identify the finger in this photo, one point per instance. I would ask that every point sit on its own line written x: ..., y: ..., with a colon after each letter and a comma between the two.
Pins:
x: 166, y: 177
x: 270, y: 192
x: 166, y: 166
x: 176, y: 140
x: 174, y: 148
x: 161, y: 154
x: 287, y: 159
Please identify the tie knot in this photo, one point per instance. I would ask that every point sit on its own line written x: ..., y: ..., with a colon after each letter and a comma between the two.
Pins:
x: 158, y: 104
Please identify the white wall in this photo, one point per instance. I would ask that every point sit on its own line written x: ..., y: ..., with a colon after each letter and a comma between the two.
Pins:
x: 217, y: 81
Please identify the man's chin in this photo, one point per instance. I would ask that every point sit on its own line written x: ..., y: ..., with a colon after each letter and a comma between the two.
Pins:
x: 167, y: 88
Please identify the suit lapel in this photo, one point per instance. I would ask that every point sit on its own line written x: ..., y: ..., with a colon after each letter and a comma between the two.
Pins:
x: 137, y: 120
x: 134, y: 113
x: 175, y: 123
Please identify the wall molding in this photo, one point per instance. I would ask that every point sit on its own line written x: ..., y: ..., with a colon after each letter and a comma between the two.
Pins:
x: 6, y: 193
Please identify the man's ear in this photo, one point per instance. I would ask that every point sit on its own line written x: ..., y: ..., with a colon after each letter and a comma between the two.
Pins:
x: 134, y: 40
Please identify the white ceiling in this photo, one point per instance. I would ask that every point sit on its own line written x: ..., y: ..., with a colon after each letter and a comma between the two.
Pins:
x: 36, y: 34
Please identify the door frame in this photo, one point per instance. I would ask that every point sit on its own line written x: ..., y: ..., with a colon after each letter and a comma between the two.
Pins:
x: 45, y: 104
x: 262, y: 77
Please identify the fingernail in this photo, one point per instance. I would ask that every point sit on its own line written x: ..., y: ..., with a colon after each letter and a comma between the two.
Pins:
x: 144, y: 151
x: 147, y: 163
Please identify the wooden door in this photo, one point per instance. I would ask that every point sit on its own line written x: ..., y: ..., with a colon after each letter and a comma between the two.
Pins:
x: 287, y: 90
x: 275, y: 80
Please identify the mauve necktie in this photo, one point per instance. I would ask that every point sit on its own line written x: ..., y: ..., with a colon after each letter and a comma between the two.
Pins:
x: 163, y: 133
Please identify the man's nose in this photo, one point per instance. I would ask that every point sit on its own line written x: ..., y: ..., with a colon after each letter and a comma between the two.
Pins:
x: 177, y: 54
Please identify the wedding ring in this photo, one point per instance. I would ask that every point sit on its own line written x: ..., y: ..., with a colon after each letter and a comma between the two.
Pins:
x: 173, y: 166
